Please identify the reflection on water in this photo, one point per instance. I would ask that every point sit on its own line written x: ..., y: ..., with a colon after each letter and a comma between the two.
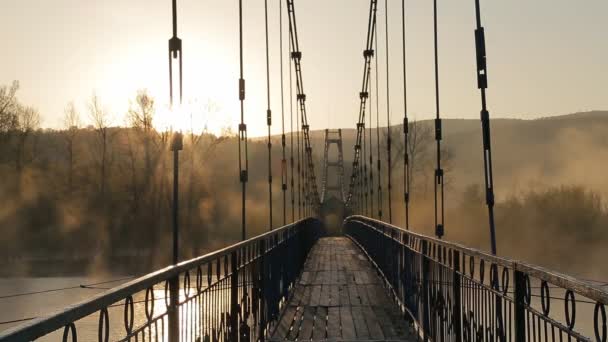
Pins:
x: 197, y: 314
x: 37, y: 305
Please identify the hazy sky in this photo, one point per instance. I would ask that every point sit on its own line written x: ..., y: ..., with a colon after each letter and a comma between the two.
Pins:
x: 545, y: 57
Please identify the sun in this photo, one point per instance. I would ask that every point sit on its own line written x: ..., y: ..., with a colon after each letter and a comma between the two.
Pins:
x: 193, y: 117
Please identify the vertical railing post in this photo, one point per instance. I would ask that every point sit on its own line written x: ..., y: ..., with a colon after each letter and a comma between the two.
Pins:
x: 520, y: 306
x: 173, y: 314
x: 426, y: 308
x: 263, y: 298
x: 234, y: 300
x: 457, y: 309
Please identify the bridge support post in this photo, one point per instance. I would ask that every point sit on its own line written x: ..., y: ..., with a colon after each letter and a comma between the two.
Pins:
x: 457, y: 309
x: 426, y: 308
x: 520, y: 306
x: 173, y: 314
x: 262, y: 279
x: 234, y: 298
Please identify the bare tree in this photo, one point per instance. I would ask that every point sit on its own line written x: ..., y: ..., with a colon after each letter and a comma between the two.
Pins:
x: 71, y: 122
x: 8, y: 109
x: 101, y: 122
x: 132, y: 156
x: 419, y: 137
x: 28, y: 120
x: 141, y: 117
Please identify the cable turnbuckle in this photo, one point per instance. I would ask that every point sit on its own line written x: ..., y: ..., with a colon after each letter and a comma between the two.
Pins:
x: 480, y: 45
x: 175, y: 46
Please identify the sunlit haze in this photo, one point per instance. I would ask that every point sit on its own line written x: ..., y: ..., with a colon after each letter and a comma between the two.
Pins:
x: 545, y: 58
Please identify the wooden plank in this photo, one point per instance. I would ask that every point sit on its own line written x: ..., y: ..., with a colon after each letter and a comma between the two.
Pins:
x: 333, y: 275
x: 339, y: 297
x: 347, y: 324
x: 353, y: 295
x: 320, y: 326
x: 298, y: 293
x: 295, y: 327
x: 385, y: 323
x: 341, y: 275
x: 284, y: 325
x: 315, y: 295
x: 373, y: 326
x: 324, y: 300
x: 343, y: 295
x: 334, y: 295
x: 307, y: 323
x: 333, y: 323
x: 359, y: 322
x: 363, y: 297
x: 379, y: 295
x: 306, y: 277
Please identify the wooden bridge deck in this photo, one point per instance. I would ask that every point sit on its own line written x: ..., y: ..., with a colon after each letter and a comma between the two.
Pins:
x: 340, y: 297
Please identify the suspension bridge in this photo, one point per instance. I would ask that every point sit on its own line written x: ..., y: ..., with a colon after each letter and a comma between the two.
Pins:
x: 371, y: 281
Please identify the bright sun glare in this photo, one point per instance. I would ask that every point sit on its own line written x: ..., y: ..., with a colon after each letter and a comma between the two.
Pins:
x: 193, y: 117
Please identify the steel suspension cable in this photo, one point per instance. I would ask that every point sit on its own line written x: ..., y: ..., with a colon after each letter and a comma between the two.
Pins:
x: 379, y: 167
x: 243, y: 159
x: 175, y: 52
x: 439, y: 194
x: 365, y: 184
x: 482, y: 84
x: 298, y: 120
x: 371, y: 155
x: 296, y: 55
x: 268, y: 117
x: 356, y: 186
x: 299, y: 164
x: 291, y: 159
x: 406, y: 155
x: 283, y: 143
x: 388, y: 118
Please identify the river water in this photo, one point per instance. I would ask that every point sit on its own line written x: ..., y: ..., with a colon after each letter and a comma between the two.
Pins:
x: 14, y: 306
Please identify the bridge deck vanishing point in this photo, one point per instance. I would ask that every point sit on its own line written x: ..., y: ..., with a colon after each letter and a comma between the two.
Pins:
x: 340, y: 297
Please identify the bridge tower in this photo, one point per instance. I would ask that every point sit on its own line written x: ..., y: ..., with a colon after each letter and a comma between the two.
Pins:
x: 333, y: 193
x: 337, y: 187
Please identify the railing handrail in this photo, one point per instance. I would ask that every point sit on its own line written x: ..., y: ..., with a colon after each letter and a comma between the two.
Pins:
x: 578, y: 286
x: 72, y: 313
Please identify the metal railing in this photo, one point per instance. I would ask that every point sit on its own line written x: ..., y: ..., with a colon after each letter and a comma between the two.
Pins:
x: 453, y: 293
x: 232, y: 294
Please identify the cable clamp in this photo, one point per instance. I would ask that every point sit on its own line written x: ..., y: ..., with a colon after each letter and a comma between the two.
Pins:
x: 244, y: 177
x: 490, y: 197
x: 241, y: 89
x: 485, y: 129
x: 175, y: 46
x: 296, y: 55
x: 368, y: 53
x: 439, y: 175
x: 480, y: 44
x: 438, y: 129
x: 406, y: 127
x: 439, y: 230
x: 363, y: 95
x: 301, y: 97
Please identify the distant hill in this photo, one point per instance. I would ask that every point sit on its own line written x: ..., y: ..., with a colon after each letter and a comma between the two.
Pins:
x: 566, y: 149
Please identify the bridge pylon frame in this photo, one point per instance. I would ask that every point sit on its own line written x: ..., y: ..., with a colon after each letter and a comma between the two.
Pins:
x: 333, y: 137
